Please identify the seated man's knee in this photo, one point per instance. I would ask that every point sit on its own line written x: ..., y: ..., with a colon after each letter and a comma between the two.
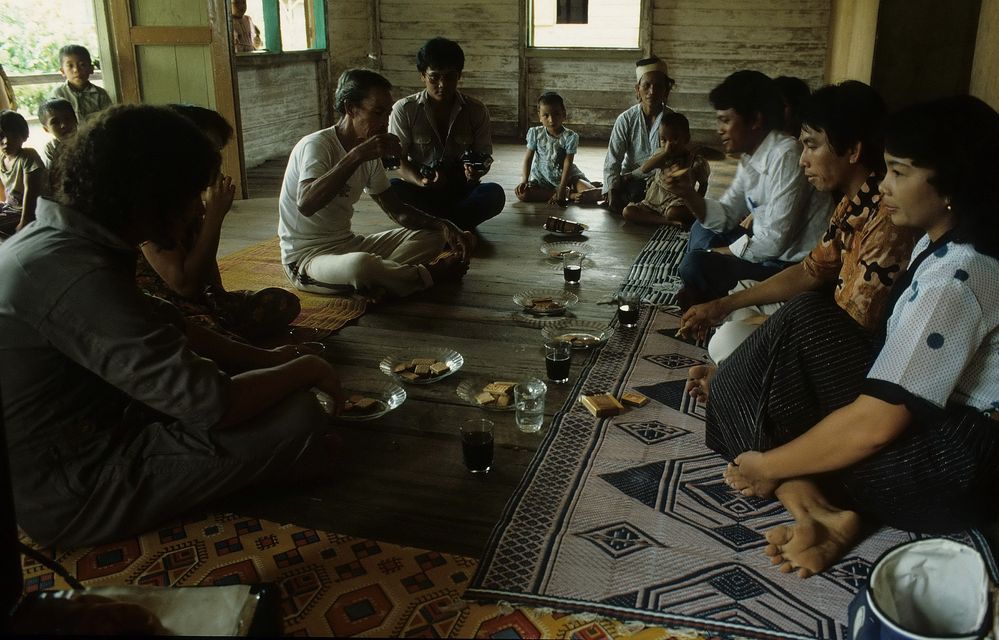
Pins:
x: 494, y: 194
x: 364, y: 270
x: 692, y: 266
x: 302, y: 413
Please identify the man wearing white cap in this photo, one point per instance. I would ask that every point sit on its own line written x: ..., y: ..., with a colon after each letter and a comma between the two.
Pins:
x: 635, y: 136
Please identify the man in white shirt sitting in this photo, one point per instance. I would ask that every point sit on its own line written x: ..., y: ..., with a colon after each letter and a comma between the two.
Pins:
x: 635, y: 135
x: 770, y: 217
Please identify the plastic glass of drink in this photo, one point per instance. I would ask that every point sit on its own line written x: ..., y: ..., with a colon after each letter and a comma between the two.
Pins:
x: 628, y: 306
x: 558, y: 359
x: 529, y: 400
x: 572, y: 267
x: 477, y: 444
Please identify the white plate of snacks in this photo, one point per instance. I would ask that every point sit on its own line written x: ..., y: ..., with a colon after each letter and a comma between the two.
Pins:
x: 422, y: 366
x: 582, y: 334
x: 563, y: 227
x: 491, y: 395
x: 555, y: 250
x: 366, y: 405
x: 545, y: 302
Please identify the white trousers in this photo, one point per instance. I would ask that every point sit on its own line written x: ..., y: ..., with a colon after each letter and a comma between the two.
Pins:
x: 739, y: 325
x: 388, y: 262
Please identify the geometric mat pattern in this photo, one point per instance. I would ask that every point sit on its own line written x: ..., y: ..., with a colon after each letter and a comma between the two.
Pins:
x: 330, y: 584
x: 628, y: 516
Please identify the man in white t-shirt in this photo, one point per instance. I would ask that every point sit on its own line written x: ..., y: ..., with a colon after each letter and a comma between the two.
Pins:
x: 326, y: 174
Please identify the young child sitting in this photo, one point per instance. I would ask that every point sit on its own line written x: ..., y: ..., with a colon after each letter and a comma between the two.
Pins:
x: 22, y: 174
x: 549, y: 174
x: 58, y: 118
x: 662, y: 206
x: 87, y: 99
x: 186, y: 274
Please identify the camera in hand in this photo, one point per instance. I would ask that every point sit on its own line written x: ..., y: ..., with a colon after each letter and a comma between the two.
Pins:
x: 476, y: 161
x: 391, y: 162
x: 428, y: 171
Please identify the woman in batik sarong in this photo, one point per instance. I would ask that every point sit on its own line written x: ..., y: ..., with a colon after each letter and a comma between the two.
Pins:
x: 911, y: 441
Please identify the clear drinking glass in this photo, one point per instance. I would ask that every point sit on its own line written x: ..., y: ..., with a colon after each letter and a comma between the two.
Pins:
x: 572, y: 267
x: 628, y: 306
x: 529, y: 400
x: 477, y: 444
x: 558, y: 359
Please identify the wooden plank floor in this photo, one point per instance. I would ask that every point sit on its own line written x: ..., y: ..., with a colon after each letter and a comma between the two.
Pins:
x: 401, y: 478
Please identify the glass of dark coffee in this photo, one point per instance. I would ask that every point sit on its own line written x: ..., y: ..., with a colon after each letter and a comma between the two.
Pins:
x: 391, y: 162
x: 628, y: 306
x: 477, y: 444
x: 572, y: 267
x: 558, y: 359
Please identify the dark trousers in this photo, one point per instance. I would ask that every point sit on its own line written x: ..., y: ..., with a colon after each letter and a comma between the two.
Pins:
x: 708, y: 276
x: 468, y: 205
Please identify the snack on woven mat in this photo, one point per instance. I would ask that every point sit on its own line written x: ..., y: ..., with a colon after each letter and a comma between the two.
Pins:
x: 634, y: 398
x: 602, y: 405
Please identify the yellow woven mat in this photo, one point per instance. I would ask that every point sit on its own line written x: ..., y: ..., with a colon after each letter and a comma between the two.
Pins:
x: 329, y: 584
x: 259, y: 266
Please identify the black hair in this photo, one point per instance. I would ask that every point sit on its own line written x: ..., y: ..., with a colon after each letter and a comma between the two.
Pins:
x: 355, y: 85
x: 956, y: 138
x: 209, y: 121
x: 440, y: 53
x: 135, y: 160
x: 550, y: 98
x: 74, y: 50
x: 54, y: 105
x: 794, y: 92
x: 677, y: 121
x: 748, y: 93
x: 12, y: 122
x: 848, y: 113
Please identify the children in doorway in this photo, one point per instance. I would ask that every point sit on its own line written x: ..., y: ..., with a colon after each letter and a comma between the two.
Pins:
x: 76, y: 66
x: 245, y: 34
x: 57, y: 118
x: 662, y: 206
x: 549, y: 174
x: 22, y: 174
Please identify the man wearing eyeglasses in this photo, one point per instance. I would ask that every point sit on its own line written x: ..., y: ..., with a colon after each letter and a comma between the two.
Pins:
x: 446, y: 143
x: 635, y: 136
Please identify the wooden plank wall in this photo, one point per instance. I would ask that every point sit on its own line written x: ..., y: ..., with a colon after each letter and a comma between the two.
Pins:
x: 487, y: 30
x: 703, y: 41
x: 279, y: 104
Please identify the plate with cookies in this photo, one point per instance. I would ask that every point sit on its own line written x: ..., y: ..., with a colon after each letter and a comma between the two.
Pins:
x: 424, y: 366
x: 581, y: 334
x: 491, y: 395
x: 545, y: 302
x: 366, y: 405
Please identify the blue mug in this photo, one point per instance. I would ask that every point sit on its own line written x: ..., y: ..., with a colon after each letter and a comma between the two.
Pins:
x: 923, y: 590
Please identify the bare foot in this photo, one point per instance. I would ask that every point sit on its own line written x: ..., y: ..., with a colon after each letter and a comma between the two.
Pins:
x: 735, y: 478
x: 699, y: 381
x: 447, y: 268
x: 820, y: 535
